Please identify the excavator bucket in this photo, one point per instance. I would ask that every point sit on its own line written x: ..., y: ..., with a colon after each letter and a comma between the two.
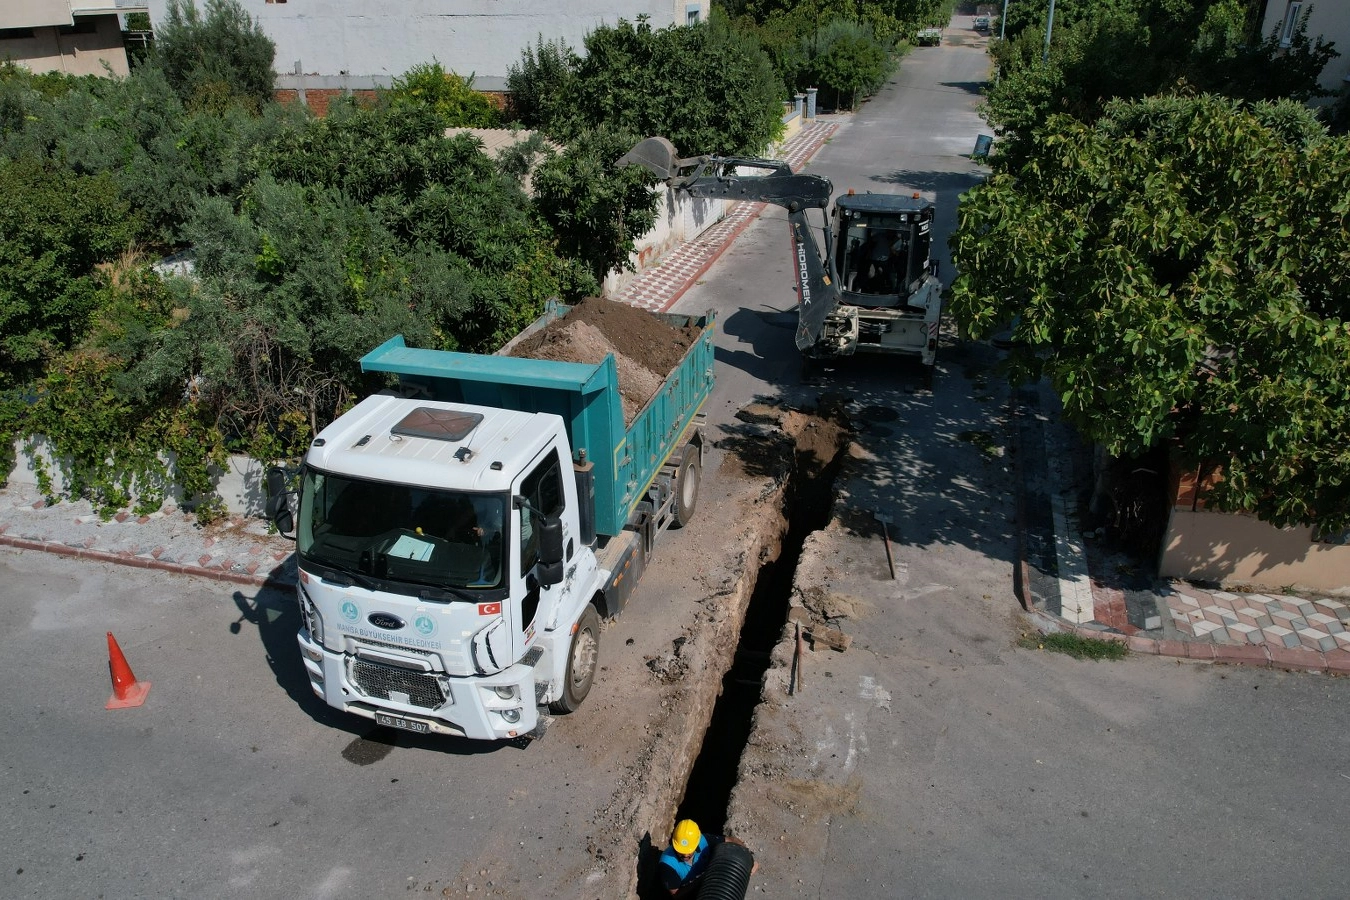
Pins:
x: 655, y: 154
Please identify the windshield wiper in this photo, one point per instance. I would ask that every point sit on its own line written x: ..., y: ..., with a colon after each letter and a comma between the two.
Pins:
x: 346, y: 577
x: 444, y: 593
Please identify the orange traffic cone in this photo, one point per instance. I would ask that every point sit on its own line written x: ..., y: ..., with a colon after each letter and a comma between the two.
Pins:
x: 127, y: 691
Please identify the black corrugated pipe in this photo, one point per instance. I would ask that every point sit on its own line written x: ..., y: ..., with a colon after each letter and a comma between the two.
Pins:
x: 728, y: 875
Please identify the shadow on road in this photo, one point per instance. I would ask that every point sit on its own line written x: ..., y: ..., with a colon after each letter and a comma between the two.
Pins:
x: 945, y: 184
x: 272, y: 610
x: 768, y: 333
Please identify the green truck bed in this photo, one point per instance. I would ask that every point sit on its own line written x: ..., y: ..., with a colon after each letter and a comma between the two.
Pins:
x: 585, y: 396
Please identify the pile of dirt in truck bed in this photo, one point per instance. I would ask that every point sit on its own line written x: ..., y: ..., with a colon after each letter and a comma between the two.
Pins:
x: 645, y: 347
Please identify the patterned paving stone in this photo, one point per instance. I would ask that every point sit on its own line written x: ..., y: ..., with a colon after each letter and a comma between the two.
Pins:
x: 1329, y: 624
x: 1334, y: 608
x: 1314, y: 639
x: 1280, y: 636
x: 1220, y: 615
x: 1296, y: 605
x: 1250, y: 615
x: 1289, y: 619
x: 1205, y: 628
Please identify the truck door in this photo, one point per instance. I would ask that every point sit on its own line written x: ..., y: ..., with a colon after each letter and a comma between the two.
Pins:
x: 544, y: 488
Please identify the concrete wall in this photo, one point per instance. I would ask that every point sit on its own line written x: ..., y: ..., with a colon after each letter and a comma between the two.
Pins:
x: 240, y: 485
x: 28, y: 13
x: 1328, y: 18
x: 469, y: 37
x: 75, y: 54
x: 680, y: 218
x: 1240, y: 548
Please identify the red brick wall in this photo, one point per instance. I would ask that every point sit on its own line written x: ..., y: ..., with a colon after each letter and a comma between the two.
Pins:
x: 317, y: 99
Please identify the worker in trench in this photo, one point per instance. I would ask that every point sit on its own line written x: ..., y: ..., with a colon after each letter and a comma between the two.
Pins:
x: 684, y: 862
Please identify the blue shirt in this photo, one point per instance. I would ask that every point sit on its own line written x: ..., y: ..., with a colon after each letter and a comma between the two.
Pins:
x: 676, y: 873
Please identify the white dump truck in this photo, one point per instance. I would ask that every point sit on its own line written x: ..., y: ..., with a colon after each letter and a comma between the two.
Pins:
x: 460, y: 541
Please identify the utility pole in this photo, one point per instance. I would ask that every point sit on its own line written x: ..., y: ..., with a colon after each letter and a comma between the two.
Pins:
x: 1003, y: 21
x: 1049, y: 24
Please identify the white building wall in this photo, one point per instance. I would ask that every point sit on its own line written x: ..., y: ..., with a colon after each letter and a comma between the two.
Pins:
x: 384, y: 38
x: 1328, y: 18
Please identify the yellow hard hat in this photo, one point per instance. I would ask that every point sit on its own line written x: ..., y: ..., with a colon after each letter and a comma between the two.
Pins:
x: 687, y: 837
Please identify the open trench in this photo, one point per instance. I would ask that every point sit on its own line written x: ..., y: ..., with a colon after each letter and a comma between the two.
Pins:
x: 807, y: 456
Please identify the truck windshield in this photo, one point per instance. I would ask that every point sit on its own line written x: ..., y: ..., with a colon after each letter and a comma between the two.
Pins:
x: 402, y: 533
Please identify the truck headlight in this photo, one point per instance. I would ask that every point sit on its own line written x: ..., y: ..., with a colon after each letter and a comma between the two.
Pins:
x: 309, y: 613
x: 506, y: 691
x: 512, y: 716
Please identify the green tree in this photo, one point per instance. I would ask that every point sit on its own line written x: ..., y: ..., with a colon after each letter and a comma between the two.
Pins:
x: 452, y: 98
x: 597, y: 211
x: 1127, y: 49
x: 1176, y: 270
x: 642, y: 81
x: 846, y: 62
x: 539, y: 83
x: 216, y: 58
x: 55, y: 227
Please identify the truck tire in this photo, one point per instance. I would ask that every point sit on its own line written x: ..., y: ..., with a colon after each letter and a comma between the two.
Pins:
x: 582, y: 660
x: 686, y: 485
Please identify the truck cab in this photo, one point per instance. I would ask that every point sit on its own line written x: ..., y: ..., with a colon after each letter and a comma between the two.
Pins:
x: 424, y: 536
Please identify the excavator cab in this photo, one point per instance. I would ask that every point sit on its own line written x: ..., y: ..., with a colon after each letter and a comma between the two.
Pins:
x: 883, y: 246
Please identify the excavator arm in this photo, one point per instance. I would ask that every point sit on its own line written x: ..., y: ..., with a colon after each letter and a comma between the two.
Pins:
x: 720, y: 177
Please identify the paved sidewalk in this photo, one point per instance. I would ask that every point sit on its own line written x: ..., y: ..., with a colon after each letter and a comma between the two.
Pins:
x: 1069, y: 583
x: 240, y: 549
x: 658, y: 288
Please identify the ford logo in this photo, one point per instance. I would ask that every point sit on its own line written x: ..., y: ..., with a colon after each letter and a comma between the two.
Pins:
x: 385, y: 621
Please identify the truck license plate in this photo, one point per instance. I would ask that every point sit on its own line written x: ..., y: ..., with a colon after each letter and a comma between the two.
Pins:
x: 399, y: 722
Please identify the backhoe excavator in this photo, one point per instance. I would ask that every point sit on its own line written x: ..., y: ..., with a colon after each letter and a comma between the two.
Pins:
x: 874, y: 289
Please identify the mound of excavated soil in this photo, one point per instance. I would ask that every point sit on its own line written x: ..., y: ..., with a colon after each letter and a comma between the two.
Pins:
x: 645, y: 347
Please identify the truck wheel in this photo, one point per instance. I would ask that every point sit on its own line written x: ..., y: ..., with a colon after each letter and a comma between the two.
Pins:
x: 686, y: 488
x: 581, y: 664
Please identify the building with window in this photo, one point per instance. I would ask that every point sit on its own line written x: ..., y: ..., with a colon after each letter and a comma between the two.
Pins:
x: 1328, y: 19
x: 79, y: 37
x: 363, y: 44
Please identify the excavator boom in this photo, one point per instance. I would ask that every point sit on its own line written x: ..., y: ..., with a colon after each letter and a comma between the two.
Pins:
x: 772, y: 181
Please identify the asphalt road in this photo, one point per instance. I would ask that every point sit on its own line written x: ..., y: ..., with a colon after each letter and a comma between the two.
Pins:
x: 975, y: 768
x: 936, y: 757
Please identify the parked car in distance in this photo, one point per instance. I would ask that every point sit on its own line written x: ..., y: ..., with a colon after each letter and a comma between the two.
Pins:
x: 929, y: 37
x: 982, y: 24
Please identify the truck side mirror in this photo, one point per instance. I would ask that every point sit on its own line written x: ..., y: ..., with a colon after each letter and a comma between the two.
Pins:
x: 278, y: 506
x: 550, y: 551
x: 551, y: 540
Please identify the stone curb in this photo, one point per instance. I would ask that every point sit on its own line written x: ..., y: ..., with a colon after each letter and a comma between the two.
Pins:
x: 1336, y: 662
x: 278, y: 576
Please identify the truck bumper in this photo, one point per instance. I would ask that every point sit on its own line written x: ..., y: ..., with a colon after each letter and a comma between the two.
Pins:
x: 495, y: 707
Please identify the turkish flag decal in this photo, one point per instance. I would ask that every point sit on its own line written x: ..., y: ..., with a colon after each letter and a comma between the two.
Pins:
x: 489, y: 609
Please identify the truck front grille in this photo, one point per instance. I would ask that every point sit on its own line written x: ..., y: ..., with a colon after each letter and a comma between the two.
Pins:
x: 377, y: 680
